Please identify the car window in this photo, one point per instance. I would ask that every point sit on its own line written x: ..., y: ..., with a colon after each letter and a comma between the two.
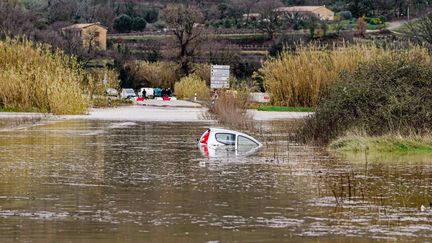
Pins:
x: 225, y: 138
x: 244, y: 141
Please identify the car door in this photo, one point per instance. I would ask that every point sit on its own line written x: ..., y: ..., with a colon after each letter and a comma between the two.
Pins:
x: 245, y: 145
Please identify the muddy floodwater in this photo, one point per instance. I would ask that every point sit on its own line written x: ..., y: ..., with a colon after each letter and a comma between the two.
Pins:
x: 100, y: 181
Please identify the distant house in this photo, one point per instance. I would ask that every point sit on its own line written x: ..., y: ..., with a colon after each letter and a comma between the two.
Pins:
x: 92, y: 35
x: 320, y: 12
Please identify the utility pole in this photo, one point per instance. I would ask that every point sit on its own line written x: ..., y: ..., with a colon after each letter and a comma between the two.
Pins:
x: 408, y: 13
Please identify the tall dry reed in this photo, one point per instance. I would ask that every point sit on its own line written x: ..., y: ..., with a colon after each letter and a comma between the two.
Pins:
x: 303, y: 77
x: 33, y: 77
x: 158, y: 74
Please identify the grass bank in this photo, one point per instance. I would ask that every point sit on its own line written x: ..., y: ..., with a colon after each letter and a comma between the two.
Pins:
x: 13, y: 109
x: 285, y: 109
x: 387, y: 143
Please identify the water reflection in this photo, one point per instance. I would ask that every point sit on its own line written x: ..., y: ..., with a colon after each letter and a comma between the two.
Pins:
x: 115, y: 182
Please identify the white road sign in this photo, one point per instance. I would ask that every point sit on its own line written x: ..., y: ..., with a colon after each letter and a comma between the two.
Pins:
x: 220, y: 76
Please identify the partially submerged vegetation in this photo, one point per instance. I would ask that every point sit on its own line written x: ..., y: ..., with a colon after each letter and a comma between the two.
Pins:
x: 386, y: 143
x: 231, y: 109
x: 33, y: 77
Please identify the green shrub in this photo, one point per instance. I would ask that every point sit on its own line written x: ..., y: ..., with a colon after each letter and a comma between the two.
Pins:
x: 375, y: 21
x: 33, y: 77
x: 151, y: 15
x: 392, y: 94
x: 123, y: 23
x: 138, y: 24
x: 191, y: 85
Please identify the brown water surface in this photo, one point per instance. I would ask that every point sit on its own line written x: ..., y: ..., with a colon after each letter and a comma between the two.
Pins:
x: 89, y: 181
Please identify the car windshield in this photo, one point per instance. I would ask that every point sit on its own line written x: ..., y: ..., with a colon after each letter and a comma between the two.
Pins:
x: 225, y: 138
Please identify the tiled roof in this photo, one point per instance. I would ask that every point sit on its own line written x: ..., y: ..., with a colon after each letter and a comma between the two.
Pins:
x: 82, y: 26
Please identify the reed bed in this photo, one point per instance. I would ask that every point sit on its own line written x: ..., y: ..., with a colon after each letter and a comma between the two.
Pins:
x: 158, y: 74
x: 302, y: 78
x: 34, y: 77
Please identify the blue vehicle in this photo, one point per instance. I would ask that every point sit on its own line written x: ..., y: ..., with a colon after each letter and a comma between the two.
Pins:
x: 157, y: 92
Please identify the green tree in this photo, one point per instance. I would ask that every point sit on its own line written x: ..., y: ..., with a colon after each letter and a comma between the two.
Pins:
x: 312, y: 24
x: 138, y: 24
x: 123, y: 23
x: 151, y: 15
x: 360, y: 7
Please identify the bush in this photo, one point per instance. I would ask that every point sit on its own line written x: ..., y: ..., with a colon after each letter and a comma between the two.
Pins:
x: 392, y: 94
x: 302, y: 77
x: 33, y: 77
x: 138, y: 24
x: 159, y: 25
x: 123, y: 23
x: 191, y: 85
x: 382, y: 18
x: 375, y: 21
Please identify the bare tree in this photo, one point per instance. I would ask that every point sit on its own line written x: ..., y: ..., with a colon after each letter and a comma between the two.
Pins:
x: 14, y: 21
x: 184, y: 21
x: 270, y: 21
x: 245, y: 5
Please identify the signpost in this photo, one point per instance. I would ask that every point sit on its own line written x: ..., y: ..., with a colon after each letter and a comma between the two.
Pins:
x: 219, y: 76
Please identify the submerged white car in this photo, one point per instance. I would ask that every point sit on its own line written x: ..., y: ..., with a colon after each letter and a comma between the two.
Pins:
x: 216, y: 140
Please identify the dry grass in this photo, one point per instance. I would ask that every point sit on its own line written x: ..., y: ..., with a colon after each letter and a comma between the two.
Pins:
x: 191, y: 85
x: 303, y: 77
x: 35, y: 77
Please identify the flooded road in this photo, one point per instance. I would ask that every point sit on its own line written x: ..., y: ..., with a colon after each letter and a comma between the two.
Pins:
x: 99, y: 181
